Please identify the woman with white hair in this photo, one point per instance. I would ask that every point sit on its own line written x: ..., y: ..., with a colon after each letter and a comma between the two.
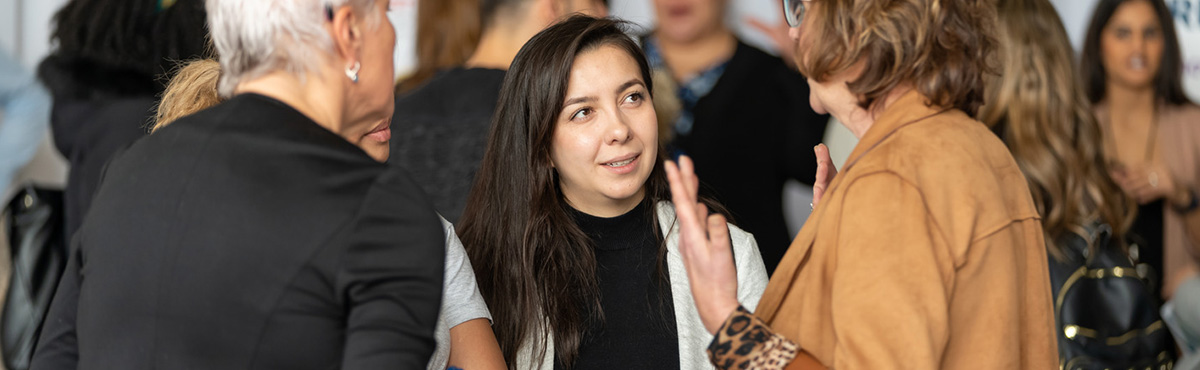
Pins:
x: 264, y: 232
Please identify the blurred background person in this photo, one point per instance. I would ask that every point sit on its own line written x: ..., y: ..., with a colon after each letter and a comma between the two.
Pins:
x: 265, y: 231
x: 447, y: 33
x: 1132, y: 72
x: 568, y: 224
x: 733, y: 109
x: 105, y: 76
x: 463, y: 321
x: 928, y: 228
x: 1038, y: 106
x: 442, y: 126
x: 25, y: 108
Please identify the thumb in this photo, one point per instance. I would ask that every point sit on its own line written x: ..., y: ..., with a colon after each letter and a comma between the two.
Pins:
x: 825, y: 172
x: 825, y: 168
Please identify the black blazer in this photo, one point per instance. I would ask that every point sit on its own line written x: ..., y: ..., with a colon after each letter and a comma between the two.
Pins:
x: 248, y: 237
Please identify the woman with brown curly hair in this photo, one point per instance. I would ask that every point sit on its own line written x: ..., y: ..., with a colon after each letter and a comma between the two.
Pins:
x: 926, y: 251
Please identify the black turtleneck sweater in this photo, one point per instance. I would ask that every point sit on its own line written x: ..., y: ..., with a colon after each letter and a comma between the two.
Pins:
x: 638, y: 330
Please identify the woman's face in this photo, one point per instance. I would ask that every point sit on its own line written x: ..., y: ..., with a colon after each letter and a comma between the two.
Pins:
x: 831, y: 95
x: 370, y: 102
x: 1131, y: 45
x: 686, y: 20
x: 818, y: 92
x: 605, y: 140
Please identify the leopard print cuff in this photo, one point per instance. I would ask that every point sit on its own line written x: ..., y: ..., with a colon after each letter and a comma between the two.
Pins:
x: 745, y: 342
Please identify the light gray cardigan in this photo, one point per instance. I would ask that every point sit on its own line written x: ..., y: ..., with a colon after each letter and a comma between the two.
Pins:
x: 693, y: 338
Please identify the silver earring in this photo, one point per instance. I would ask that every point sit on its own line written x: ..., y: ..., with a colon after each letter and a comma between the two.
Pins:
x: 352, y: 72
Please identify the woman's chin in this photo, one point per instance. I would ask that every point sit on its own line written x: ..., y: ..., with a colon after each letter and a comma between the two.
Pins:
x: 816, y: 105
x: 377, y: 151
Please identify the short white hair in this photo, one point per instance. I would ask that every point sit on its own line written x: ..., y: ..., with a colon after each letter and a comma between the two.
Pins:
x: 255, y: 37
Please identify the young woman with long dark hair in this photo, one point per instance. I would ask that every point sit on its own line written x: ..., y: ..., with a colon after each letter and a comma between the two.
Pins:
x: 569, y: 224
x: 1132, y: 71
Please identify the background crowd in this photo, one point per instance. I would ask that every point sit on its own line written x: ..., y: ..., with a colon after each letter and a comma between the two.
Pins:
x: 552, y: 187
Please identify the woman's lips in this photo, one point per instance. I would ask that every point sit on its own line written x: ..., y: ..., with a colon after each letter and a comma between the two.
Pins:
x: 381, y: 133
x: 1137, y: 63
x: 679, y: 11
x: 622, y: 166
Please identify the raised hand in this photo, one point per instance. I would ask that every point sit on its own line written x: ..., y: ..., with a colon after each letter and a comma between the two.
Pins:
x: 705, y: 246
x: 825, y: 172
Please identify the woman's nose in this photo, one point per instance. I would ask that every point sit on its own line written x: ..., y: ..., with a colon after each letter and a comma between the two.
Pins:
x: 618, y: 131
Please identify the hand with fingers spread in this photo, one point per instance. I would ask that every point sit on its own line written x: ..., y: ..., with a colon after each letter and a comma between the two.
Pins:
x: 825, y: 173
x: 704, y: 245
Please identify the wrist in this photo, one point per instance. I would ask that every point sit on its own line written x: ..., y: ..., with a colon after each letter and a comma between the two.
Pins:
x: 1184, y: 200
x: 718, y: 314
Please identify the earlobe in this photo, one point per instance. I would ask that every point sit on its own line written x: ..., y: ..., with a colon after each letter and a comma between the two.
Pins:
x: 347, y: 36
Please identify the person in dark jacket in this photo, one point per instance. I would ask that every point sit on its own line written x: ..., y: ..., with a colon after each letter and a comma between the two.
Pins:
x: 733, y: 109
x: 105, y: 75
x: 265, y: 232
x: 443, y: 124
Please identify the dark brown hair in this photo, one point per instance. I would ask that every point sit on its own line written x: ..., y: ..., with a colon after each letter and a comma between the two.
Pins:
x: 941, y: 48
x: 1048, y: 125
x: 535, y: 266
x: 447, y: 33
x: 1168, y: 84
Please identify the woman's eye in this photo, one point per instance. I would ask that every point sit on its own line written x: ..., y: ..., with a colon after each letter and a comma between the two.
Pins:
x: 1150, y: 33
x: 581, y: 114
x: 634, y: 98
x: 1123, y: 33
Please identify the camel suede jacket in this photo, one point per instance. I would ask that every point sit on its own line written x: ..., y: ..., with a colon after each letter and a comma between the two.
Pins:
x: 926, y: 252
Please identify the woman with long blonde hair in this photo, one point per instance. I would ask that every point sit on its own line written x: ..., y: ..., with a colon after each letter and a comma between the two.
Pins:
x: 1039, y: 108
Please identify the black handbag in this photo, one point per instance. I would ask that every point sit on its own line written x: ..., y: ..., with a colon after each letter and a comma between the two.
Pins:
x: 39, y: 253
x: 1106, y: 312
